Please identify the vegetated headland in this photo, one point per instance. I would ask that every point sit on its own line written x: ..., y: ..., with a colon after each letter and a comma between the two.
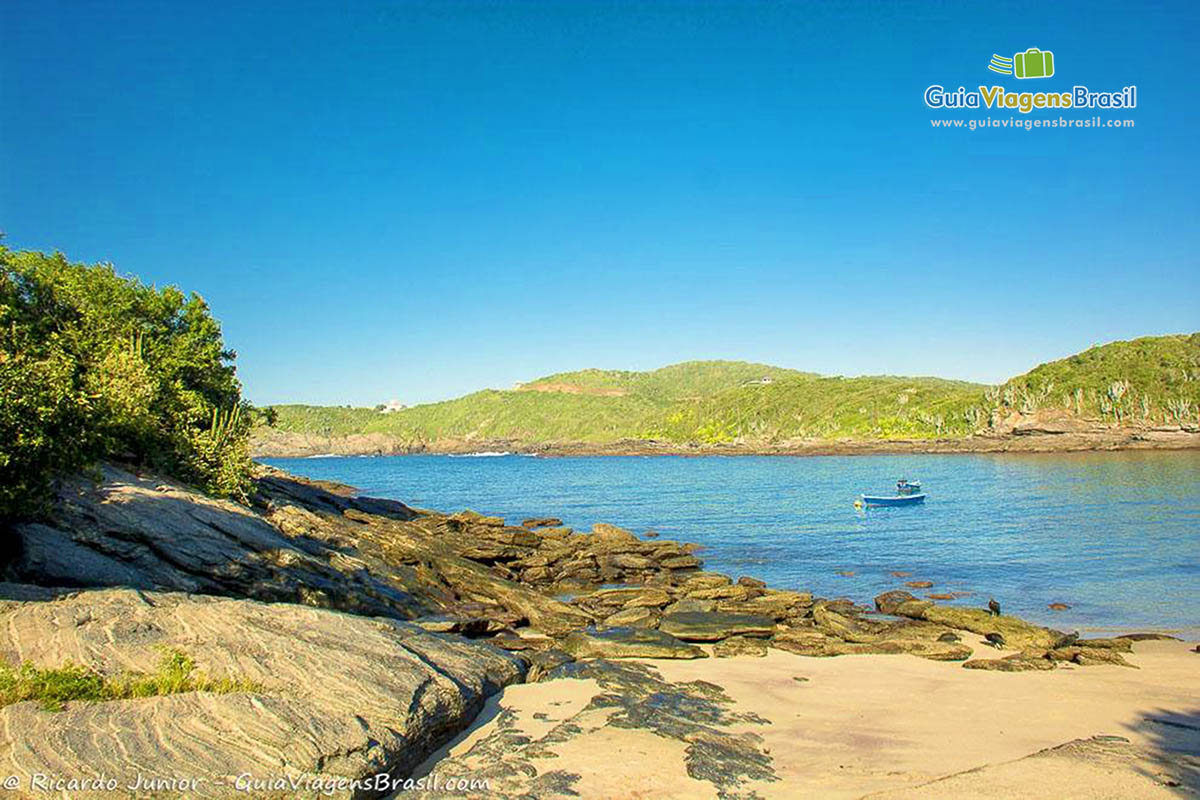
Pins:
x: 1143, y: 393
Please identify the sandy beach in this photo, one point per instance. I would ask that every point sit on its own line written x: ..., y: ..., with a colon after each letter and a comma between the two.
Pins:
x: 880, y: 726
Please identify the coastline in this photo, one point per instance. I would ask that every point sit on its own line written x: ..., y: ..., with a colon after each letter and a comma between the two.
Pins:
x: 334, y: 613
x: 282, y: 444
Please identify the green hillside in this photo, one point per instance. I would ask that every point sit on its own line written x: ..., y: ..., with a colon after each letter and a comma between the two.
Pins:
x: 323, y: 420
x: 879, y: 407
x: 690, y: 379
x: 1150, y: 380
x: 699, y: 401
x: 1155, y: 379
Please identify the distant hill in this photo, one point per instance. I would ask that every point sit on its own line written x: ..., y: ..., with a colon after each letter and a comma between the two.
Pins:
x: 690, y: 379
x: 591, y: 405
x: 1154, y: 380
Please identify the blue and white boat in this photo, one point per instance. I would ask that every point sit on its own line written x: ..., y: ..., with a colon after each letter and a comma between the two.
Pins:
x: 895, y: 500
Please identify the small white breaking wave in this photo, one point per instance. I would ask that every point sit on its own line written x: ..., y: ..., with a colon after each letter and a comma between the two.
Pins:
x: 324, y: 455
x: 484, y: 454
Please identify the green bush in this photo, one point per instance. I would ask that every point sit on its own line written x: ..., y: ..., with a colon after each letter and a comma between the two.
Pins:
x: 96, y: 365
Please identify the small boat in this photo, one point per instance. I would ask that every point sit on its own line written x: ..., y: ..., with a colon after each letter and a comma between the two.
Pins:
x: 897, y: 500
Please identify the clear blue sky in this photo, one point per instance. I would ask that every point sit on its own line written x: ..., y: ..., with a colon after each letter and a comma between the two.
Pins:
x: 414, y: 200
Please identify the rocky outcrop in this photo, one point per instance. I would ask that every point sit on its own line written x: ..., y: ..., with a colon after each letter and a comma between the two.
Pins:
x: 637, y: 616
x: 304, y: 542
x: 1039, y: 648
x: 1018, y: 634
x: 713, y: 626
x: 147, y: 533
x: 740, y: 646
x: 1083, y: 652
x: 321, y: 545
x: 820, y: 643
x: 628, y: 643
x: 334, y: 695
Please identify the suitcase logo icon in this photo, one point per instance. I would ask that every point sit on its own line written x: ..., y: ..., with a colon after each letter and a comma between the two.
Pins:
x: 1033, y: 63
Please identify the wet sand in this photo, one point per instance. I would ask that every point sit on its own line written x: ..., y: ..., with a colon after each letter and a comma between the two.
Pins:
x: 894, y: 727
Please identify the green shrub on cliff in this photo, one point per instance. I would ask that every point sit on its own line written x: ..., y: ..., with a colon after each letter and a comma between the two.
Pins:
x: 1151, y: 380
x: 96, y: 365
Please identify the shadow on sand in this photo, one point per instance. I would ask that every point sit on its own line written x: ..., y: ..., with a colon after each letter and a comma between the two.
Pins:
x: 1173, y: 744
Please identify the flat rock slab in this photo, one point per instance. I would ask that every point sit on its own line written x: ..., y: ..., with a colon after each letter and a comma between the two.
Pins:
x: 713, y: 626
x: 628, y: 642
x: 811, y: 642
x: 336, y: 695
x: 632, y: 617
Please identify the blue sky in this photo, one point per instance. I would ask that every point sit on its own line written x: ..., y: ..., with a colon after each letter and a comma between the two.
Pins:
x: 414, y: 200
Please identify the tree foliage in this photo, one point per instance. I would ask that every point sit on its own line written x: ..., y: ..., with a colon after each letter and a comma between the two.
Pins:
x: 97, y: 365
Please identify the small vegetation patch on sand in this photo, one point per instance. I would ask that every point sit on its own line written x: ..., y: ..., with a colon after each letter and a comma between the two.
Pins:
x: 52, y: 688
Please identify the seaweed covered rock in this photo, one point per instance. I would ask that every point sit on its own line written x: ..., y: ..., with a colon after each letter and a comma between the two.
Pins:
x: 628, y: 642
x: 636, y: 616
x: 815, y: 642
x: 713, y: 626
x: 1017, y: 633
x: 740, y: 646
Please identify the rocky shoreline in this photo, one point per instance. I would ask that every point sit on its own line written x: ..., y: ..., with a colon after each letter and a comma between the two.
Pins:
x: 1034, y: 439
x: 379, y: 631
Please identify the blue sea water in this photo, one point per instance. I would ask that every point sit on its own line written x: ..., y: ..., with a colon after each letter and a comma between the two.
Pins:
x: 1114, y: 535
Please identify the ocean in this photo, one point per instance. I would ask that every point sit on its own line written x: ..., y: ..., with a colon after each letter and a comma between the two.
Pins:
x: 1115, y: 536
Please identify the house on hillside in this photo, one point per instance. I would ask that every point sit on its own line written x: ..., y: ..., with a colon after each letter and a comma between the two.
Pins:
x: 392, y: 405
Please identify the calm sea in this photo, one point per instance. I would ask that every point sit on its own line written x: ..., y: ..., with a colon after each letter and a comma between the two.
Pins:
x: 1114, y: 535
